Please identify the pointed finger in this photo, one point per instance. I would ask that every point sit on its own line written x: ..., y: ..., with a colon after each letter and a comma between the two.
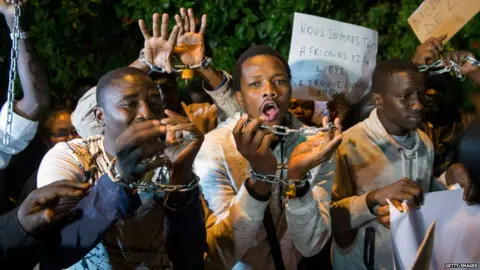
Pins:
x: 327, y: 134
x: 178, y: 20
x: 174, y: 35
x: 338, y: 126
x: 203, y: 26
x: 144, y: 29
x: 164, y: 31
x: 186, y: 24
x: 191, y: 18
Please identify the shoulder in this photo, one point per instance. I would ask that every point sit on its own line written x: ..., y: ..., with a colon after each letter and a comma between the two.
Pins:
x: 67, y: 160
x: 354, y: 138
x: 425, y: 140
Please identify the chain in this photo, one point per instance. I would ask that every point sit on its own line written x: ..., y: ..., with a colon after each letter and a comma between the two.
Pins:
x: 12, y: 76
x: 307, y: 131
x: 158, y: 183
x: 432, y: 69
x: 274, y: 179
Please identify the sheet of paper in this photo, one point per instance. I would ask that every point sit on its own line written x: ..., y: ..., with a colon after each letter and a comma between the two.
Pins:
x: 434, y: 18
x: 328, y: 57
x: 456, y: 231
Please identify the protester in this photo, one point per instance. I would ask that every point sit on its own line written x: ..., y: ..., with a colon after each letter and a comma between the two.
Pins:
x: 444, y: 123
x: 191, y: 51
x: 383, y: 157
x: 234, y: 152
x: 35, y: 90
x: 302, y: 110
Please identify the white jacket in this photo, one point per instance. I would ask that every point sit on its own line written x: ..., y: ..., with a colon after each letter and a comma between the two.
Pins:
x: 303, y: 224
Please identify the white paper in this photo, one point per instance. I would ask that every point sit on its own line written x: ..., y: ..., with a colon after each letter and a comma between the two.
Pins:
x: 328, y: 57
x: 457, y: 230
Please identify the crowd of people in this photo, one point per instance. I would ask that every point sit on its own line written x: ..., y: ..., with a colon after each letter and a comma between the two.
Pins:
x: 130, y: 176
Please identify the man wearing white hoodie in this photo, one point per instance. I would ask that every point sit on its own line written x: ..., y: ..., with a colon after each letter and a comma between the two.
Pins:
x: 383, y: 157
x: 267, y: 228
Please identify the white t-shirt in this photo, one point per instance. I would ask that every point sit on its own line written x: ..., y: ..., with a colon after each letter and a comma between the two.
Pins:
x: 135, y: 243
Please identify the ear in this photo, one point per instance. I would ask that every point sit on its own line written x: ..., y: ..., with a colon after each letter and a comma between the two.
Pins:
x: 377, y: 100
x: 99, y: 116
x: 239, y: 97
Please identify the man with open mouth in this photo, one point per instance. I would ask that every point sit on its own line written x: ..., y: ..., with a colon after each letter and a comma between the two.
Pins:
x: 270, y: 193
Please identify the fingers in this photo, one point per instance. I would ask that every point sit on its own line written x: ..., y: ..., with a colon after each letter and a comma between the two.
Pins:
x: 338, y: 127
x: 267, y: 141
x: 327, y: 134
x: 186, y: 23
x: 139, y: 133
x: 156, y: 24
x: 384, y: 220
x: 49, y: 193
x: 383, y: 210
x: 191, y: 18
x: 438, y: 46
x: 237, y: 130
x: 249, y: 132
x: 397, y: 204
x: 164, y: 31
x: 257, y: 141
x: 174, y: 35
x: 203, y: 26
x: 144, y: 29
x: 467, y: 185
x: 179, y: 22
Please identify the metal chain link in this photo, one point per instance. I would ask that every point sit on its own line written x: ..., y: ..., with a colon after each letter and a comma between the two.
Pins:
x: 274, y: 179
x: 12, y: 76
x: 432, y: 69
x: 307, y: 131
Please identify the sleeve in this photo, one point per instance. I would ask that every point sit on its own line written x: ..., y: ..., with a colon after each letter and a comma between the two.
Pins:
x: 103, y: 205
x: 232, y: 219
x: 348, y: 210
x: 308, y: 217
x: 18, y: 250
x: 185, y: 233
x: 224, y: 98
x: 23, y: 131
x: 58, y: 164
x: 83, y: 118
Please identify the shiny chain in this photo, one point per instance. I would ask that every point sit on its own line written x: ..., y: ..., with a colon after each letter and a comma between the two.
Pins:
x: 12, y: 76
x: 274, y: 179
x: 432, y: 69
x: 307, y: 131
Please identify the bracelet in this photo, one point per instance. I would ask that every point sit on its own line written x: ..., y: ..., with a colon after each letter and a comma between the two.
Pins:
x: 19, y: 35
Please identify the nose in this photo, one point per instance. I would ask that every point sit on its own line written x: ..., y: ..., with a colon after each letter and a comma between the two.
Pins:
x: 298, y: 109
x: 269, y: 90
x: 417, y: 103
x: 144, y: 112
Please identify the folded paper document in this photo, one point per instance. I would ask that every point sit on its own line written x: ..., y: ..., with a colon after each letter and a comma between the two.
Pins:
x: 444, y: 222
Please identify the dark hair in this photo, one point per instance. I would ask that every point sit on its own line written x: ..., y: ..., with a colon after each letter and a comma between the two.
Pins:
x: 251, y: 52
x: 112, y: 77
x: 384, y: 71
x: 82, y: 82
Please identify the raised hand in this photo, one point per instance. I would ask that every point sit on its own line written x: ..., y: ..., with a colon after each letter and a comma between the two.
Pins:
x: 181, y: 150
x: 7, y: 6
x: 458, y: 57
x: 190, y: 44
x: 140, y: 142
x: 312, y: 153
x: 429, y: 51
x: 203, y: 115
x: 159, y: 47
x: 36, y: 213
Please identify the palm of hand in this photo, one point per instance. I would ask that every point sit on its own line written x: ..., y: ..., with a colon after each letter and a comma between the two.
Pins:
x: 300, y: 159
x: 158, y: 51
x: 190, y: 48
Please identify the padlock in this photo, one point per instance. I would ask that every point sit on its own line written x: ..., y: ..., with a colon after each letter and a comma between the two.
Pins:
x: 291, y: 191
x: 187, y: 74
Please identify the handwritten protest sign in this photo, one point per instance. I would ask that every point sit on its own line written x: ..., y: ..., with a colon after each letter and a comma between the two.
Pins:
x: 434, y: 18
x: 328, y: 57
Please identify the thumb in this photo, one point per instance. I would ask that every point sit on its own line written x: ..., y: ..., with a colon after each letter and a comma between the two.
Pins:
x: 39, y: 220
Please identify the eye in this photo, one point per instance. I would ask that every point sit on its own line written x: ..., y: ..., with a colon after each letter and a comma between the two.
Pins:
x: 129, y: 104
x: 281, y: 81
x: 254, y: 84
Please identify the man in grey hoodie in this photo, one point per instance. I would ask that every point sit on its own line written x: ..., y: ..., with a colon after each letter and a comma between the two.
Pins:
x: 383, y: 157
x: 267, y: 229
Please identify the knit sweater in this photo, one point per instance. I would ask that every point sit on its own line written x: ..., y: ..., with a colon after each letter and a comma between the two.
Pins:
x: 302, y: 224
x: 369, y: 158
